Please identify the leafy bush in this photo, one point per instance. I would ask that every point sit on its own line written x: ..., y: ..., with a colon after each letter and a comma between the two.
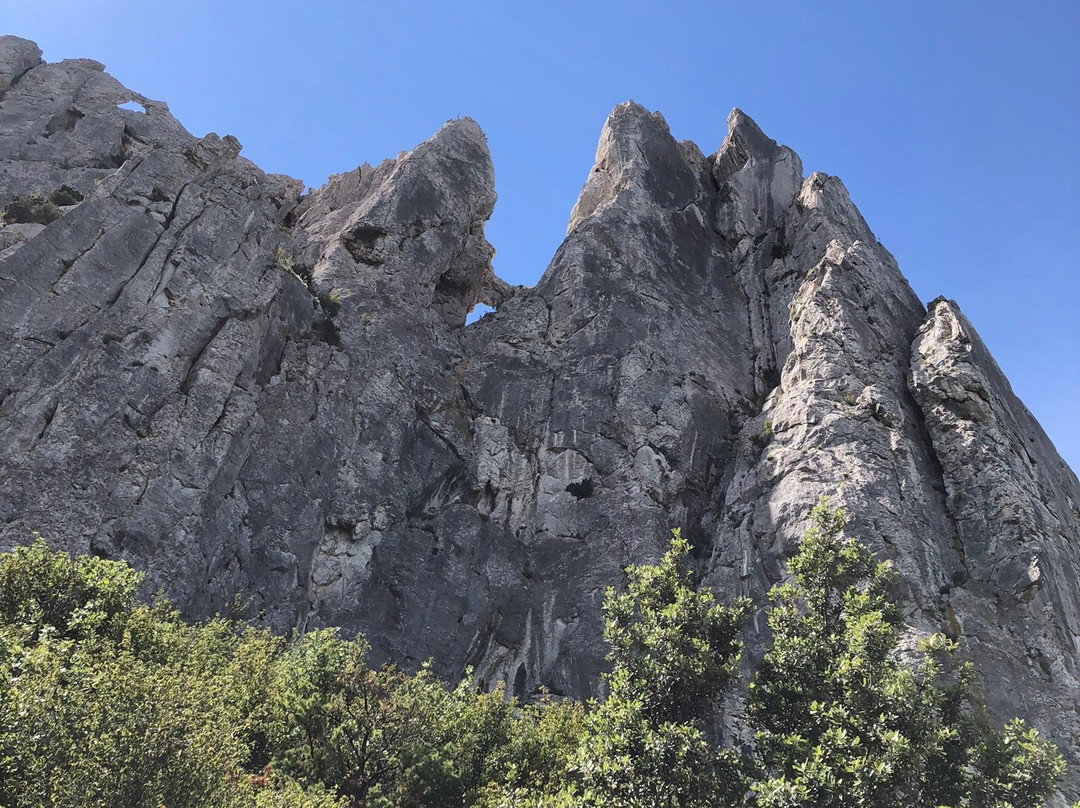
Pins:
x: 383, y: 738
x: 112, y: 704
x: 673, y: 647
x: 843, y: 721
x: 674, y: 651
x: 73, y: 598
x: 106, y: 703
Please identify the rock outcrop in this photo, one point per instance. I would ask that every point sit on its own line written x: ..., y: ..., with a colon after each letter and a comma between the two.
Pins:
x: 271, y: 404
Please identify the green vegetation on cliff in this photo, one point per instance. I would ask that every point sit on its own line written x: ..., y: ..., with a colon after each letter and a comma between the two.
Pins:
x: 107, y: 703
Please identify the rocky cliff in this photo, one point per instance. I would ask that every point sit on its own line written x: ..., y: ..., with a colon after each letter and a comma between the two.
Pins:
x: 269, y: 401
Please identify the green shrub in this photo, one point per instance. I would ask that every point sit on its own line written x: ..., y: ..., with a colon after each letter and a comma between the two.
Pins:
x: 330, y: 303
x: 674, y: 652
x: 111, y: 704
x: 843, y: 722
x: 381, y: 737
x: 31, y: 209
x: 74, y: 598
x: 106, y: 703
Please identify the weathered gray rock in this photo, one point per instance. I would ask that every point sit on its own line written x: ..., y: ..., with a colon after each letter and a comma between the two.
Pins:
x: 1015, y: 506
x: 271, y: 403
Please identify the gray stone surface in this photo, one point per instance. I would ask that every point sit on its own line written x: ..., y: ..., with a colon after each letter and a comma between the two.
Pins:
x: 271, y: 404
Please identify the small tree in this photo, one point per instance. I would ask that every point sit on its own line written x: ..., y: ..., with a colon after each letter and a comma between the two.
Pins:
x: 674, y: 651
x: 842, y: 721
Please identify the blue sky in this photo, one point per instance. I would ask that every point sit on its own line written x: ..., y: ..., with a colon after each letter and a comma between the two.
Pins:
x: 955, y: 125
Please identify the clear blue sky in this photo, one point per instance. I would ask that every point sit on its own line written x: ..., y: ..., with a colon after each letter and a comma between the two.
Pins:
x: 955, y: 125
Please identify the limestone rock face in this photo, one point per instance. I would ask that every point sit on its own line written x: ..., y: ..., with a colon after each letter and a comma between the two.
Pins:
x: 271, y: 404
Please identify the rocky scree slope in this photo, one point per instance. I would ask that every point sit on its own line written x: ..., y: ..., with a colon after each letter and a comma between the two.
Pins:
x: 269, y: 401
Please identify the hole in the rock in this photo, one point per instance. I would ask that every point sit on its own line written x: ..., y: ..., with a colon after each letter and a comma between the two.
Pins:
x: 63, y: 122
x: 449, y: 299
x: 582, y: 489
x: 478, y: 311
x: 134, y: 106
x: 363, y: 243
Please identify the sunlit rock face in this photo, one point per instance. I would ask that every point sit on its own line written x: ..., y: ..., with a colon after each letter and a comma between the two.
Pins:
x: 269, y: 402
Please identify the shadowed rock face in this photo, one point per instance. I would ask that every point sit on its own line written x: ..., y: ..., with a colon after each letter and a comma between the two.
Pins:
x: 270, y: 403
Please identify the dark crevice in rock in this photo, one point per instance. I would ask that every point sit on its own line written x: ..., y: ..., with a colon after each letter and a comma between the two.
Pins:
x: 50, y: 413
x: 443, y: 439
x: 364, y: 243
x: 63, y: 121
x: 939, y: 485
x: 136, y: 421
x: 582, y: 489
x: 270, y: 359
x: 326, y: 330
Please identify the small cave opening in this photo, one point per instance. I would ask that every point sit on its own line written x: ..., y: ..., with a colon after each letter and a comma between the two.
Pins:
x: 134, y: 106
x: 582, y: 489
x: 63, y: 121
x: 477, y: 311
x: 364, y: 244
x: 449, y: 299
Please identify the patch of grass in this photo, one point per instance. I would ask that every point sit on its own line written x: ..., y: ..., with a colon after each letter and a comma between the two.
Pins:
x: 283, y: 260
x: 330, y: 303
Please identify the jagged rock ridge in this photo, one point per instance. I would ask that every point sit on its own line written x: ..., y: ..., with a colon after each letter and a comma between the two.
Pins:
x: 270, y: 399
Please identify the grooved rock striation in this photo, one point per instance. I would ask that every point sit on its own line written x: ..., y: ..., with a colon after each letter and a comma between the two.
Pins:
x: 270, y: 403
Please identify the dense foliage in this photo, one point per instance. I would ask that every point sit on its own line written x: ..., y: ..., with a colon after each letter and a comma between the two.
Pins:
x: 674, y: 651
x: 844, y: 722
x: 108, y: 703
x: 104, y: 702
